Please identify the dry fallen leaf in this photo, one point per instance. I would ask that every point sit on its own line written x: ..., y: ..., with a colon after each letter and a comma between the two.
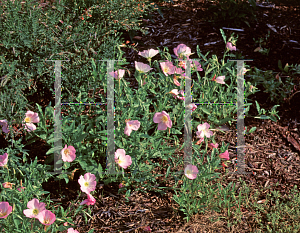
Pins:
x: 257, y: 49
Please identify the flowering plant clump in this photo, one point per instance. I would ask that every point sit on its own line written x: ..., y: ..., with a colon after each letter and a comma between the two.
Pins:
x: 143, y: 144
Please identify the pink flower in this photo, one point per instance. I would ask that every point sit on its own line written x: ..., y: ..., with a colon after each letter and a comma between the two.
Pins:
x: 123, y: 160
x: 121, y: 185
x: 192, y: 107
x: 191, y: 171
x: 5, y: 209
x: 3, y: 159
x: 174, y: 92
x: 4, y: 125
x: 182, y: 50
x: 46, y: 217
x: 224, y: 155
x: 90, y: 201
x: 224, y: 165
x: 183, y: 64
x: 141, y: 67
x: 179, y: 71
x: 21, y: 188
x: 116, y: 75
x: 211, y: 145
x: 175, y: 81
x: 71, y: 230
x: 244, y: 71
x: 230, y: 47
x: 167, y: 67
x: 163, y: 120
x: 87, y: 183
x: 194, y: 65
x: 8, y: 185
x: 34, y: 208
x: 220, y: 79
x: 199, y: 142
x: 131, y: 125
x: 203, y: 131
x: 68, y: 154
x: 197, y: 65
x: 31, y: 117
x: 148, y: 53
x: 181, y: 92
x: 147, y: 228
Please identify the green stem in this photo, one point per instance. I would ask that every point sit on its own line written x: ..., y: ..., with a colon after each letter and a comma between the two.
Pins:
x: 119, y: 90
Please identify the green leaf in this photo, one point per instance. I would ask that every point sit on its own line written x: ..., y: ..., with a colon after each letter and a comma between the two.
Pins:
x: 43, y: 136
x: 127, y: 194
x: 83, y: 164
x: 257, y: 107
x: 30, y: 142
x: 53, y: 139
x: 157, y: 7
x: 205, y: 110
x: 280, y: 65
x: 262, y: 117
x: 252, y: 129
x: 168, y: 172
x: 80, y: 138
x: 253, y: 4
x: 273, y: 118
x: 66, y: 179
x: 223, y: 35
x: 100, y: 171
x: 175, y: 131
x: 53, y: 149
x: 247, y: 23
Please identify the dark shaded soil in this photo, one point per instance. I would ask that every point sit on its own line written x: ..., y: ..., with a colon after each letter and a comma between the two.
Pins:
x: 271, y: 153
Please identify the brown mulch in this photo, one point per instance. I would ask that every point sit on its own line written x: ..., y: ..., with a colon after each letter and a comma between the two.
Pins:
x: 271, y: 153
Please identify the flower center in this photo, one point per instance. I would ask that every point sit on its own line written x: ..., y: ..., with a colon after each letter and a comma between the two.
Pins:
x: 164, y: 119
x: 2, y: 213
x: 46, y: 221
x: 86, y: 184
x: 27, y: 119
x: 67, y: 152
x: 35, y: 211
x: 120, y: 161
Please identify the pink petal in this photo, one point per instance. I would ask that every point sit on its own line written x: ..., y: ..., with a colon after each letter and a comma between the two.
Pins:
x: 141, y: 67
x: 127, y: 130
x: 224, y: 155
x: 191, y: 171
